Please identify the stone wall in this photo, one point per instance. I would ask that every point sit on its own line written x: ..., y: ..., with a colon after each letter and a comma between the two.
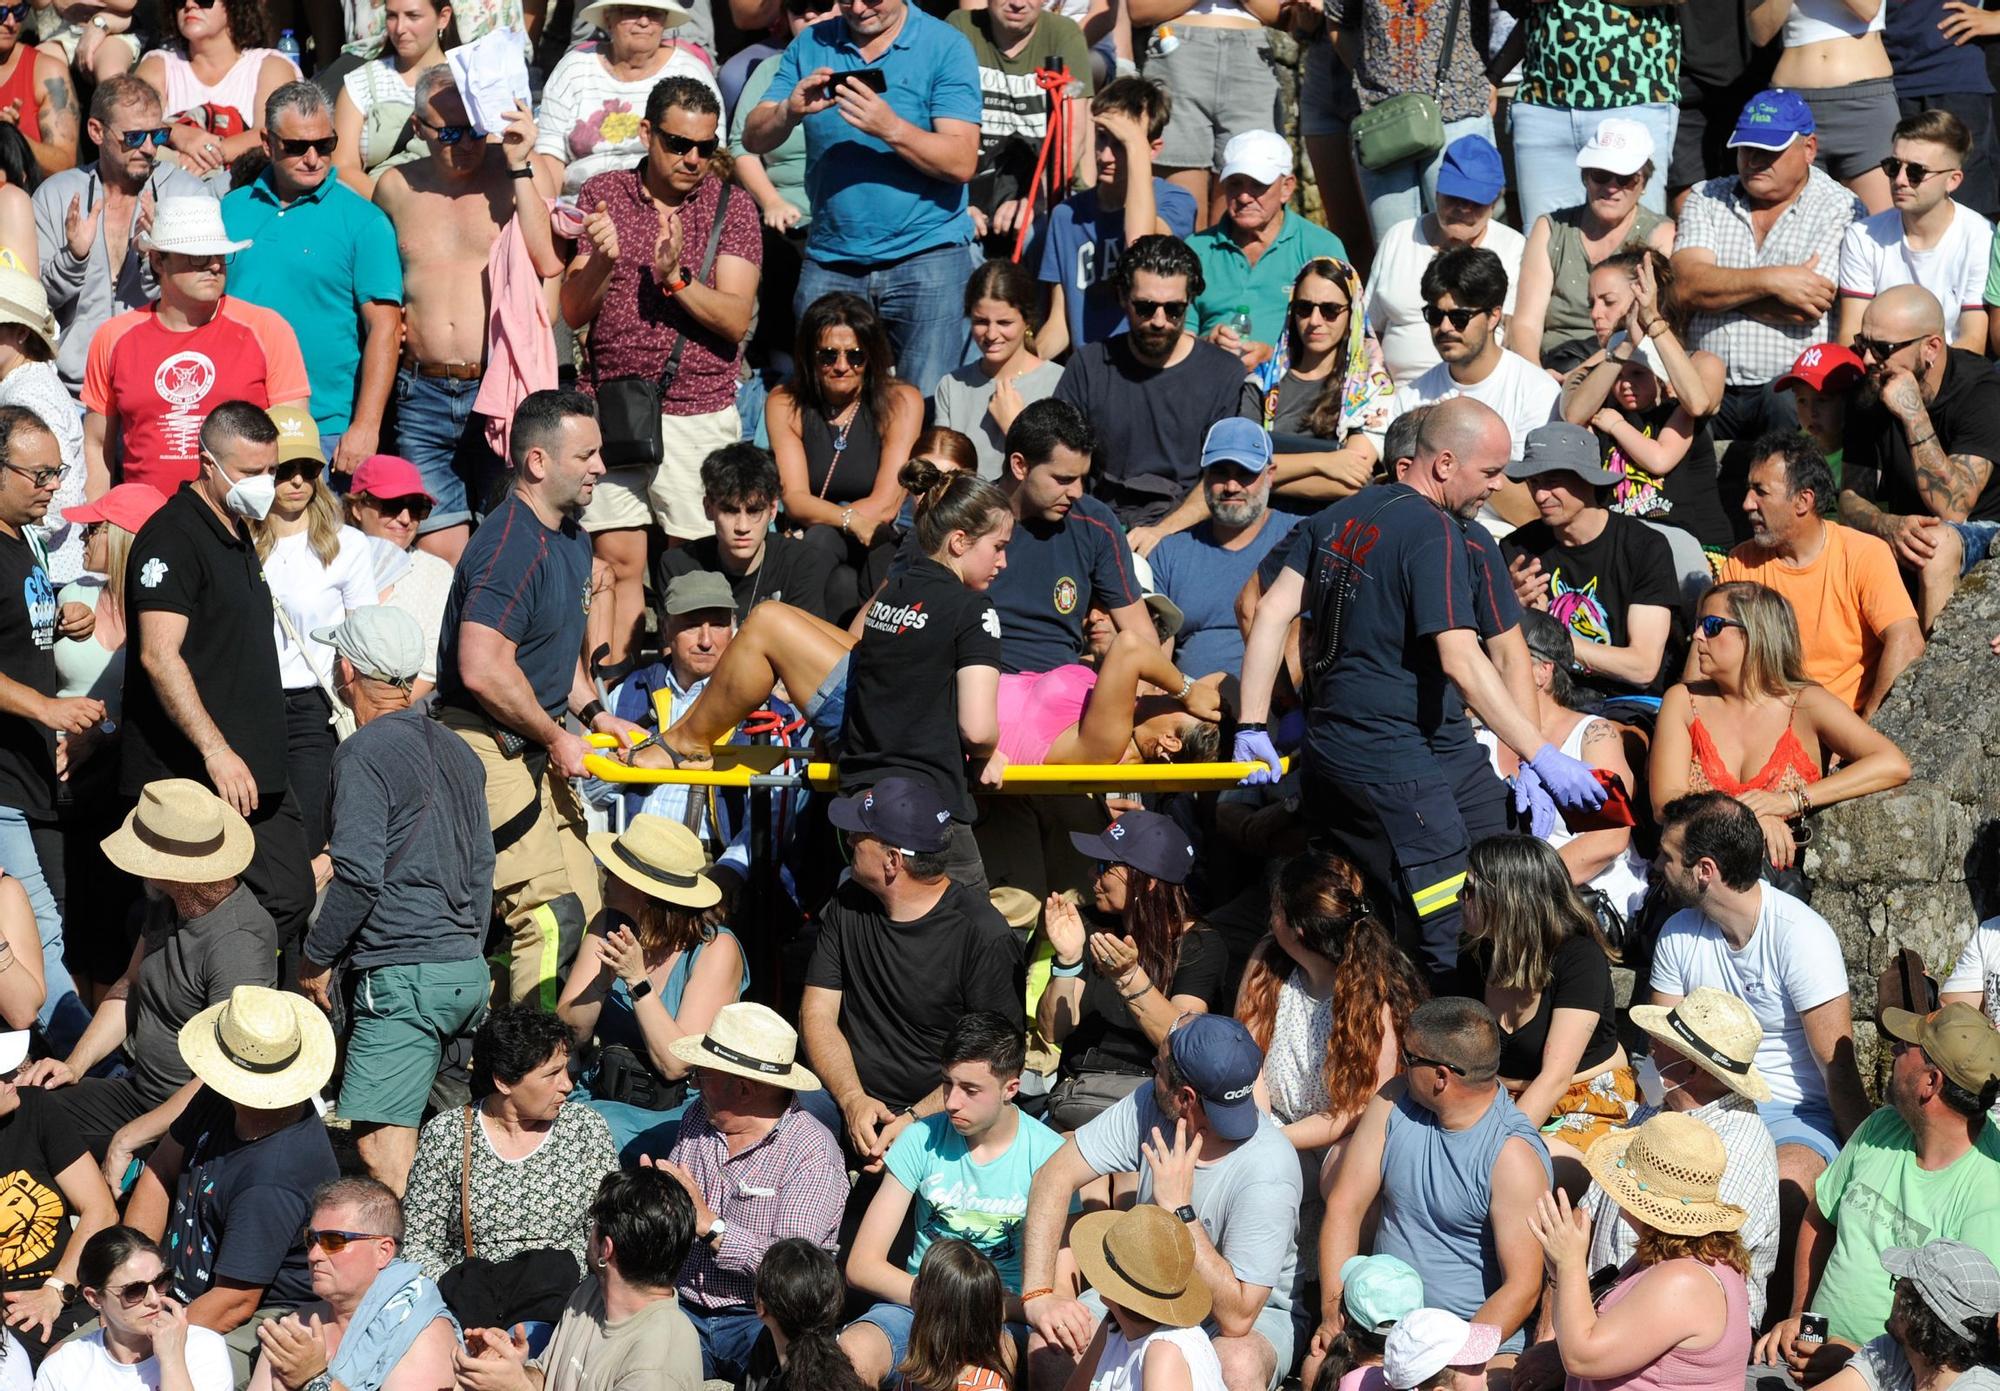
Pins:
x: 1917, y: 867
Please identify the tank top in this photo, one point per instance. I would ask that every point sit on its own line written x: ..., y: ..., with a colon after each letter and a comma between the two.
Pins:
x: 1035, y: 709
x: 20, y: 86
x: 1689, y: 497
x: 854, y: 467
x: 1568, y: 316
x: 1789, y: 769
x: 1623, y: 881
x: 1295, y: 1067
x: 1717, y: 1367
x: 1437, y: 1191
x: 1815, y: 21
x: 1122, y: 1364
x: 237, y: 91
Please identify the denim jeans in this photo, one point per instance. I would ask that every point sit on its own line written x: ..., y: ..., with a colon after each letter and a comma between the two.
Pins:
x: 437, y: 430
x: 922, y: 303
x: 1546, y: 142
x: 1407, y: 190
x: 62, y: 1015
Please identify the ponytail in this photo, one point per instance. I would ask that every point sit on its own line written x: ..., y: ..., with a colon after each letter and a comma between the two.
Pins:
x: 950, y: 500
x: 800, y: 1290
x: 1354, y: 1347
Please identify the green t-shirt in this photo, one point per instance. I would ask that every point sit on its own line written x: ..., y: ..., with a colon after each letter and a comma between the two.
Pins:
x: 983, y: 1204
x: 1878, y: 1197
x: 1016, y: 106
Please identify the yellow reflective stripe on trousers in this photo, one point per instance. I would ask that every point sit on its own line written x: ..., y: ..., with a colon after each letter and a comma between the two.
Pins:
x: 1438, y: 896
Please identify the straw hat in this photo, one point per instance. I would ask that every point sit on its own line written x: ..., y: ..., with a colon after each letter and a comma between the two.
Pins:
x: 1667, y: 1174
x: 23, y: 301
x: 749, y: 1040
x: 182, y: 833
x: 264, y: 1048
x: 1716, y: 1032
x: 660, y: 858
x: 1021, y: 909
x: 1144, y: 1260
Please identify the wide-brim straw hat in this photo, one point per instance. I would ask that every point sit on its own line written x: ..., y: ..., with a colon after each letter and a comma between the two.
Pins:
x: 1667, y: 1173
x: 660, y: 858
x: 263, y: 1048
x: 1143, y: 1259
x: 1716, y: 1032
x: 749, y: 1040
x: 23, y: 301
x: 672, y: 16
x: 181, y: 833
x: 1021, y: 909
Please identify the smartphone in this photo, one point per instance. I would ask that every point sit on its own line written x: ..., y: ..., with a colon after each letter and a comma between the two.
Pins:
x: 1615, y: 814
x: 873, y: 78
x: 1812, y: 1328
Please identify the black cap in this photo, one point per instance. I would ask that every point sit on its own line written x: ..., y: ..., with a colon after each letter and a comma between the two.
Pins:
x: 1149, y: 842
x: 906, y: 812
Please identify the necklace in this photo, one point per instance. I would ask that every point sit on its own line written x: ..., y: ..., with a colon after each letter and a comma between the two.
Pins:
x: 842, y: 423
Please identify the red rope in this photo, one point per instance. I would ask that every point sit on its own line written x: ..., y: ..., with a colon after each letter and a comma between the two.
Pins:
x: 1055, y: 85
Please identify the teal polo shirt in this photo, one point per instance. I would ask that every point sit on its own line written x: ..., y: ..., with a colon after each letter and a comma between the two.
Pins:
x: 316, y: 261
x: 1267, y: 286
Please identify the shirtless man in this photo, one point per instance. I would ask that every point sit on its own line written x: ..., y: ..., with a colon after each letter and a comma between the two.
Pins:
x: 448, y: 211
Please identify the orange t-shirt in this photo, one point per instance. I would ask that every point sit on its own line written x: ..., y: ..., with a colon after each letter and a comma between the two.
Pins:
x: 1844, y: 601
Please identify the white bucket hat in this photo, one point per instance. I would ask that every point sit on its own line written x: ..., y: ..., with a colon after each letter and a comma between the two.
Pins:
x: 191, y: 227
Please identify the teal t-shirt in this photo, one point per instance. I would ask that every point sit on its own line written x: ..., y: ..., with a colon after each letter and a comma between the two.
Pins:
x: 1878, y: 1197
x: 983, y: 1204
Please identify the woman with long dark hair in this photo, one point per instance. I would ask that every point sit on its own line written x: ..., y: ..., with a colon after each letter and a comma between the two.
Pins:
x: 125, y: 1279
x: 841, y: 430
x: 1326, y: 380
x: 958, y: 1334
x: 1003, y: 305
x: 214, y: 75
x: 799, y: 1294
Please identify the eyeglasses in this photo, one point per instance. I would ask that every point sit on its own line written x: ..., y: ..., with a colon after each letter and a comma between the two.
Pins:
x: 853, y: 357
x: 40, y: 477
x: 135, y: 1293
x: 1917, y: 172
x: 1611, y: 180
x: 1880, y: 351
x: 323, y: 147
x: 1459, y: 317
x: 138, y: 139
x: 333, y: 1242
x: 418, y: 507
x: 1328, y: 309
x: 1146, y: 309
x: 1710, y: 625
x: 446, y: 135
x: 681, y: 145
x: 308, y: 469
x: 1411, y: 1060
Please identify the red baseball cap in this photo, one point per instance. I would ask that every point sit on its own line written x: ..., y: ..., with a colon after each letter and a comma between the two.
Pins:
x: 1824, y: 367
x: 388, y: 476
x: 126, y: 506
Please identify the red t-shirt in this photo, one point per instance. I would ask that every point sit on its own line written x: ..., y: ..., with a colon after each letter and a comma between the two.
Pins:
x: 157, y: 386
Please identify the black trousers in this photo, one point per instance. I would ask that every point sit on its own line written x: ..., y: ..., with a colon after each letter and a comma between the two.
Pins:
x: 310, y: 742
x: 280, y: 874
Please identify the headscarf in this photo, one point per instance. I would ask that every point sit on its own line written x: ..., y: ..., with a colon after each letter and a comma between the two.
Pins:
x: 1367, y: 393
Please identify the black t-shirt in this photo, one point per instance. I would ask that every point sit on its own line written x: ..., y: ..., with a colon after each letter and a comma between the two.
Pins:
x: 241, y: 1205
x: 1151, y: 421
x: 27, y: 655
x: 186, y: 561
x: 35, y: 1145
x: 791, y: 572
x: 1108, y: 1039
x: 1581, y: 980
x: 902, y: 682
x: 903, y: 986
x: 531, y: 584
x: 1689, y: 496
x: 1593, y: 587
x: 1715, y: 47
x: 1055, y: 571
x: 1966, y: 416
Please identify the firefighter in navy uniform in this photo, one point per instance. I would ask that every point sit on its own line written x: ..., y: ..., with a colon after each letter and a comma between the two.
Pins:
x: 1392, y: 775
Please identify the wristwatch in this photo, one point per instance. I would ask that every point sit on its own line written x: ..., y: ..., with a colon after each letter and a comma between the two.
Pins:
x: 641, y: 990
x: 1186, y: 1213
x: 716, y: 1231
x: 682, y: 279
x: 62, y: 1287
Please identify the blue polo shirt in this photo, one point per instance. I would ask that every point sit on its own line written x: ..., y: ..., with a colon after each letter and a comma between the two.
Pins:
x: 869, y: 204
x: 1266, y: 287
x: 316, y: 261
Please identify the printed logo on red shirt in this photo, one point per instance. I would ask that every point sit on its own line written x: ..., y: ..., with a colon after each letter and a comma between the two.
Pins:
x: 184, y: 380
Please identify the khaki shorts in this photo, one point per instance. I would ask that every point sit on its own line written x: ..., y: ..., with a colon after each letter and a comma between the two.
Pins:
x: 669, y: 495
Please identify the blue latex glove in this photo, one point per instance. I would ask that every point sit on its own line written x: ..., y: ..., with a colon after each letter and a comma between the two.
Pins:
x: 1255, y: 746
x: 1531, y: 802
x: 1569, y: 781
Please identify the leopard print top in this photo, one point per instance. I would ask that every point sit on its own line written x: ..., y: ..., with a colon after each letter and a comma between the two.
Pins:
x: 1596, y: 55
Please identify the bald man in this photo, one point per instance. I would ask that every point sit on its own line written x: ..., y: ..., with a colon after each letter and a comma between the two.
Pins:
x: 1921, y: 440
x: 1391, y: 771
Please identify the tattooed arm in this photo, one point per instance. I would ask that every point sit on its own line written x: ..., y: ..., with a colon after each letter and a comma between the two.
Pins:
x: 56, y: 112
x: 1949, y: 484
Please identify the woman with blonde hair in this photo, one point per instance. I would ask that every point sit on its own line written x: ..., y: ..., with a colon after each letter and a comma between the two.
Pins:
x: 1752, y: 726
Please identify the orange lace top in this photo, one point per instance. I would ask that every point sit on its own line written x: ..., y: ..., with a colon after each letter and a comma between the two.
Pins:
x: 1789, y: 769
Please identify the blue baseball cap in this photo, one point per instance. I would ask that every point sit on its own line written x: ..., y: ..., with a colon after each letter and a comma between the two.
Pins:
x: 1146, y: 840
x: 905, y: 812
x: 1772, y: 120
x: 1235, y: 440
x: 1220, y: 1061
x: 1380, y: 1291
x: 1472, y: 170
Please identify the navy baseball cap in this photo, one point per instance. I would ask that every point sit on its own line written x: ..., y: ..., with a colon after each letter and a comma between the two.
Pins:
x: 905, y: 812
x: 1220, y: 1060
x: 1235, y: 440
x: 1772, y: 120
x: 1472, y: 170
x: 1149, y: 842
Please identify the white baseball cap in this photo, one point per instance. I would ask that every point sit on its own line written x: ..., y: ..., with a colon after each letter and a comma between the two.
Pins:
x: 1261, y: 154
x: 1426, y: 1341
x: 1619, y: 145
x: 13, y: 1049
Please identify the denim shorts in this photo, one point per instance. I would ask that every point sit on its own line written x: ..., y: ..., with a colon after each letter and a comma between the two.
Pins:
x: 1977, y: 538
x: 439, y: 432
x: 826, y: 712
x: 1808, y: 1123
x: 1327, y: 104
x: 1224, y: 83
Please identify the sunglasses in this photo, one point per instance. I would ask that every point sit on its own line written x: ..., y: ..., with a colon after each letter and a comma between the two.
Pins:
x: 139, y: 139
x: 40, y: 477
x: 853, y: 357
x: 418, y: 507
x: 323, y: 147
x: 1881, y: 351
x: 16, y: 12
x: 199, y: 4
x: 135, y: 1293
x: 94, y: 529
x: 1711, y: 625
x: 681, y: 145
x: 308, y: 469
x: 447, y: 135
x: 1328, y: 309
x: 1459, y: 317
x: 1147, y: 309
x: 1412, y: 1060
x: 1917, y: 172
x: 1611, y: 180
x: 333, y: 1242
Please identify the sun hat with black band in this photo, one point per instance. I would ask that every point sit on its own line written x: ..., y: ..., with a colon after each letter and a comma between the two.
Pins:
x: 660, y: 858
x: 1716, y: 1032
x: 263, y: 1048
x: 181, y: 833
x: 748, y: 1040
x: 1143, y: 1261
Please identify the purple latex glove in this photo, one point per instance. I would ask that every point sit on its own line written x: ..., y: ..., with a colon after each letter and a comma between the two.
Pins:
x: 1255, y: 746
x: 1531, y: 800
x: 1570, y: 782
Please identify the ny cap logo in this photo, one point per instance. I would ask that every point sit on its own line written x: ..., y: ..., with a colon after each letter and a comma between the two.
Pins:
x: 1811, y: 358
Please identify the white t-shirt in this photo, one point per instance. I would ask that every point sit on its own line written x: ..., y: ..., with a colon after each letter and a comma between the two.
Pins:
x: 590, y: 119
x: 1396, y: 304
x: 15, y: 1373
x: 1523, y: 394
x: 316, y: 596
x: 1792, y: 963
x: 82, y: 1364
x: 1978, y: 969
x: 1874, y: 257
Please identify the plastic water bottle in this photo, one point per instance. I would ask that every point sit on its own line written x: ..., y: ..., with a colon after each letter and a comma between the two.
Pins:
x: 288, y: 45
x: 1238, y: 320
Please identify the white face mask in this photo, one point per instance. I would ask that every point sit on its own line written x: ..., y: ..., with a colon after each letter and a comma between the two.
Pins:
x: 1653, y: 1088
x: 252, y: 497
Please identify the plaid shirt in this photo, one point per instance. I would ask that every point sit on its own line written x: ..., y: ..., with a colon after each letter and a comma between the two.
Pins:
x: 1716, y: 217
x: 790, y: 1183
